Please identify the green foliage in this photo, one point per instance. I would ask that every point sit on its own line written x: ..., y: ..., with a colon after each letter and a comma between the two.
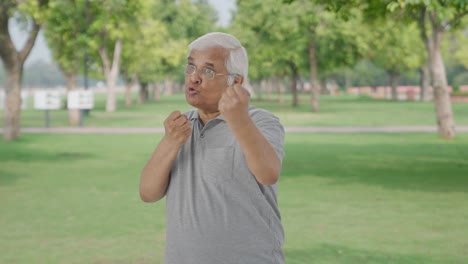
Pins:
x: 32, y: 9
x: 277, y: 34
x: 446, y: 15
x: 65, y: 32
x: 78, y: 26
x: 142, y: 44
x: 271, y: 35
x: 461, y: 78
x: 339, y: 43
x: 186, y: 19
x: 108, y: 22
x: 460, y: 40
x: 396, y: 47
x: 365, y: 73
x: 156, y: 47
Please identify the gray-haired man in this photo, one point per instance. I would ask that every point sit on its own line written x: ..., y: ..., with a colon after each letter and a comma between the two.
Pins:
x: 218, y: 165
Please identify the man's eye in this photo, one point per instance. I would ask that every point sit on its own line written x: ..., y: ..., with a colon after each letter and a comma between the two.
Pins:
x: 208, y: 71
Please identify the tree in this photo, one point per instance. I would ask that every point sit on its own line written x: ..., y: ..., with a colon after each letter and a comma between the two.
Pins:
x: 302, y: 36
x: 266, y: 28
x: 185, y: 21
x: 65, y: 32
x: 434, y: 19
x: 395, y: 47
x: 333, y: 42
x: 31, y: 13
x: 138, y: 61
x: 461, y: 53
x: 164, y: 30
x: 109, y: 22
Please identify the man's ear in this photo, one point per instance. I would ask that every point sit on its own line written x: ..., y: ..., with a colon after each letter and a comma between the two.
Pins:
x: 238, y: 79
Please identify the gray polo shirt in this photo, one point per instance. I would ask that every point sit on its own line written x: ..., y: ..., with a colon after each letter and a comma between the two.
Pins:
x: 216, y: 211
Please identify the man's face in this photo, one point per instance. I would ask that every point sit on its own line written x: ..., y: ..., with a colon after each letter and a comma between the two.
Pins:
x: 200, y: 92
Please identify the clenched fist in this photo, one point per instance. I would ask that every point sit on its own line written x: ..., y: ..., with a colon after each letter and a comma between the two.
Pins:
x: 178, y: 128
x: 234, y: 104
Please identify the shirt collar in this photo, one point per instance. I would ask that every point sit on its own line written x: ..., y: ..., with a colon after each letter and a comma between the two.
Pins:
x: 195, y: 116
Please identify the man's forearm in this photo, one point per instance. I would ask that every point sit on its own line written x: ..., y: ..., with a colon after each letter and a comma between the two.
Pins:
x: 155, y: 175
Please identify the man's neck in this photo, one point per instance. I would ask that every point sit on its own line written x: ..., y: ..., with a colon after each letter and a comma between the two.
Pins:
x: 206, y: 116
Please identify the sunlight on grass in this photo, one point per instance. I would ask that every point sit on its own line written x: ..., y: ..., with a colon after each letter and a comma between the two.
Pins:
x: 344, y: 198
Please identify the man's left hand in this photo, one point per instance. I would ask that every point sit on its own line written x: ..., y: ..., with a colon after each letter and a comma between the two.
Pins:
x: 234, y: 104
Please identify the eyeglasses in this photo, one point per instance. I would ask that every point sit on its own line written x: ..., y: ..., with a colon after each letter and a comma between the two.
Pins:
x: 205, y: 73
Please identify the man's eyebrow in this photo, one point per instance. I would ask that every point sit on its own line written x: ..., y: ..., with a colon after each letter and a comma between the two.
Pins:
x: 206, y: 63
x: 210, y: 64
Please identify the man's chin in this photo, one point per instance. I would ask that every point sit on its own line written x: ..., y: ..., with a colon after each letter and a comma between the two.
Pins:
x: 191, y: 101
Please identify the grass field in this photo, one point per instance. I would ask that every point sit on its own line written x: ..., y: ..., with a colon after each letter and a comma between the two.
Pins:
x: 335, y: 111
x: 344, y: 198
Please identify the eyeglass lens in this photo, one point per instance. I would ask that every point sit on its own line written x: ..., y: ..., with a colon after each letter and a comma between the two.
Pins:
x: 205, y: 73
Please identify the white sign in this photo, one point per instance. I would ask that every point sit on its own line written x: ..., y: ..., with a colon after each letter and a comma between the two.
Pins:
x: 24, y: 100
x: 80, y: 99
x: 47, y: 100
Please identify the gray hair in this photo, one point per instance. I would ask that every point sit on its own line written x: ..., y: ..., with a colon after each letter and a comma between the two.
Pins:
x: 236, y: 62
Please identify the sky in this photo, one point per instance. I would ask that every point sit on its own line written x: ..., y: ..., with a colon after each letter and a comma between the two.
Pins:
x: 42, y: 52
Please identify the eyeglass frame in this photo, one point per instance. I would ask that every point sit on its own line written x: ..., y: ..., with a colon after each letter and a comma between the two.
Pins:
x: 203, y: 73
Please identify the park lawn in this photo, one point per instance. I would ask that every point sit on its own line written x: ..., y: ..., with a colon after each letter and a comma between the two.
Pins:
x: 335, y: 111
x: 344, y: 198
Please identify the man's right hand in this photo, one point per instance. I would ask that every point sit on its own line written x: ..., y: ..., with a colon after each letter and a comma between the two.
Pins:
x: 178, y: 128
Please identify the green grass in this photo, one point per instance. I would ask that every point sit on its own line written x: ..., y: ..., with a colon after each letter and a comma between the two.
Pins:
x: 344, y: 198
x: 335, y: 111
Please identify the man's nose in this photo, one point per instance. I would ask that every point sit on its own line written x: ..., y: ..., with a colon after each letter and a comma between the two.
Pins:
x: 195, y: 78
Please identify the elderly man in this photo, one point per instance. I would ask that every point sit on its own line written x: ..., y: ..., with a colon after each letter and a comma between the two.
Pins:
x: 218, y: 165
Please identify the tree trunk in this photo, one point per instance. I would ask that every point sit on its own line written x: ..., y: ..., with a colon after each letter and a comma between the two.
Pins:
x: 323, y: 87
x: 73, y: 114
x: 112, y: 72
x: 348, y: 79
x: 128, y: 95
x: 168, y: 87
x: 12, y: 108
x: 144, y: 93
x: 128, y: 90
x: 293, y: 88
x: 156, y: 91
x: 293, y: 82
x: 443, y: 105
x: 281, y: 90
x: 393, y: 79
x: 315, y: 87
x: 264, y: 87
x: 13, y: 61
x: 258, y: 92
x: 425, y: 81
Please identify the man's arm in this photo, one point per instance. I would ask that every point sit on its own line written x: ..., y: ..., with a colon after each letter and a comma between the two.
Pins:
x: 260, y: 155
x: 155, y: 175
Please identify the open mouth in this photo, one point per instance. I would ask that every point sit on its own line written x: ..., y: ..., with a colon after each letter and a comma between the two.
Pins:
x: 192, y: 91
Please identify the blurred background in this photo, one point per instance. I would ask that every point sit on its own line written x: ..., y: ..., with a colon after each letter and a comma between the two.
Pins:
x: 373, y: 96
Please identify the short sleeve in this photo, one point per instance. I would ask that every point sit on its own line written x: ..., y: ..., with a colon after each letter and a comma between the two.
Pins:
x: 271, y: 128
